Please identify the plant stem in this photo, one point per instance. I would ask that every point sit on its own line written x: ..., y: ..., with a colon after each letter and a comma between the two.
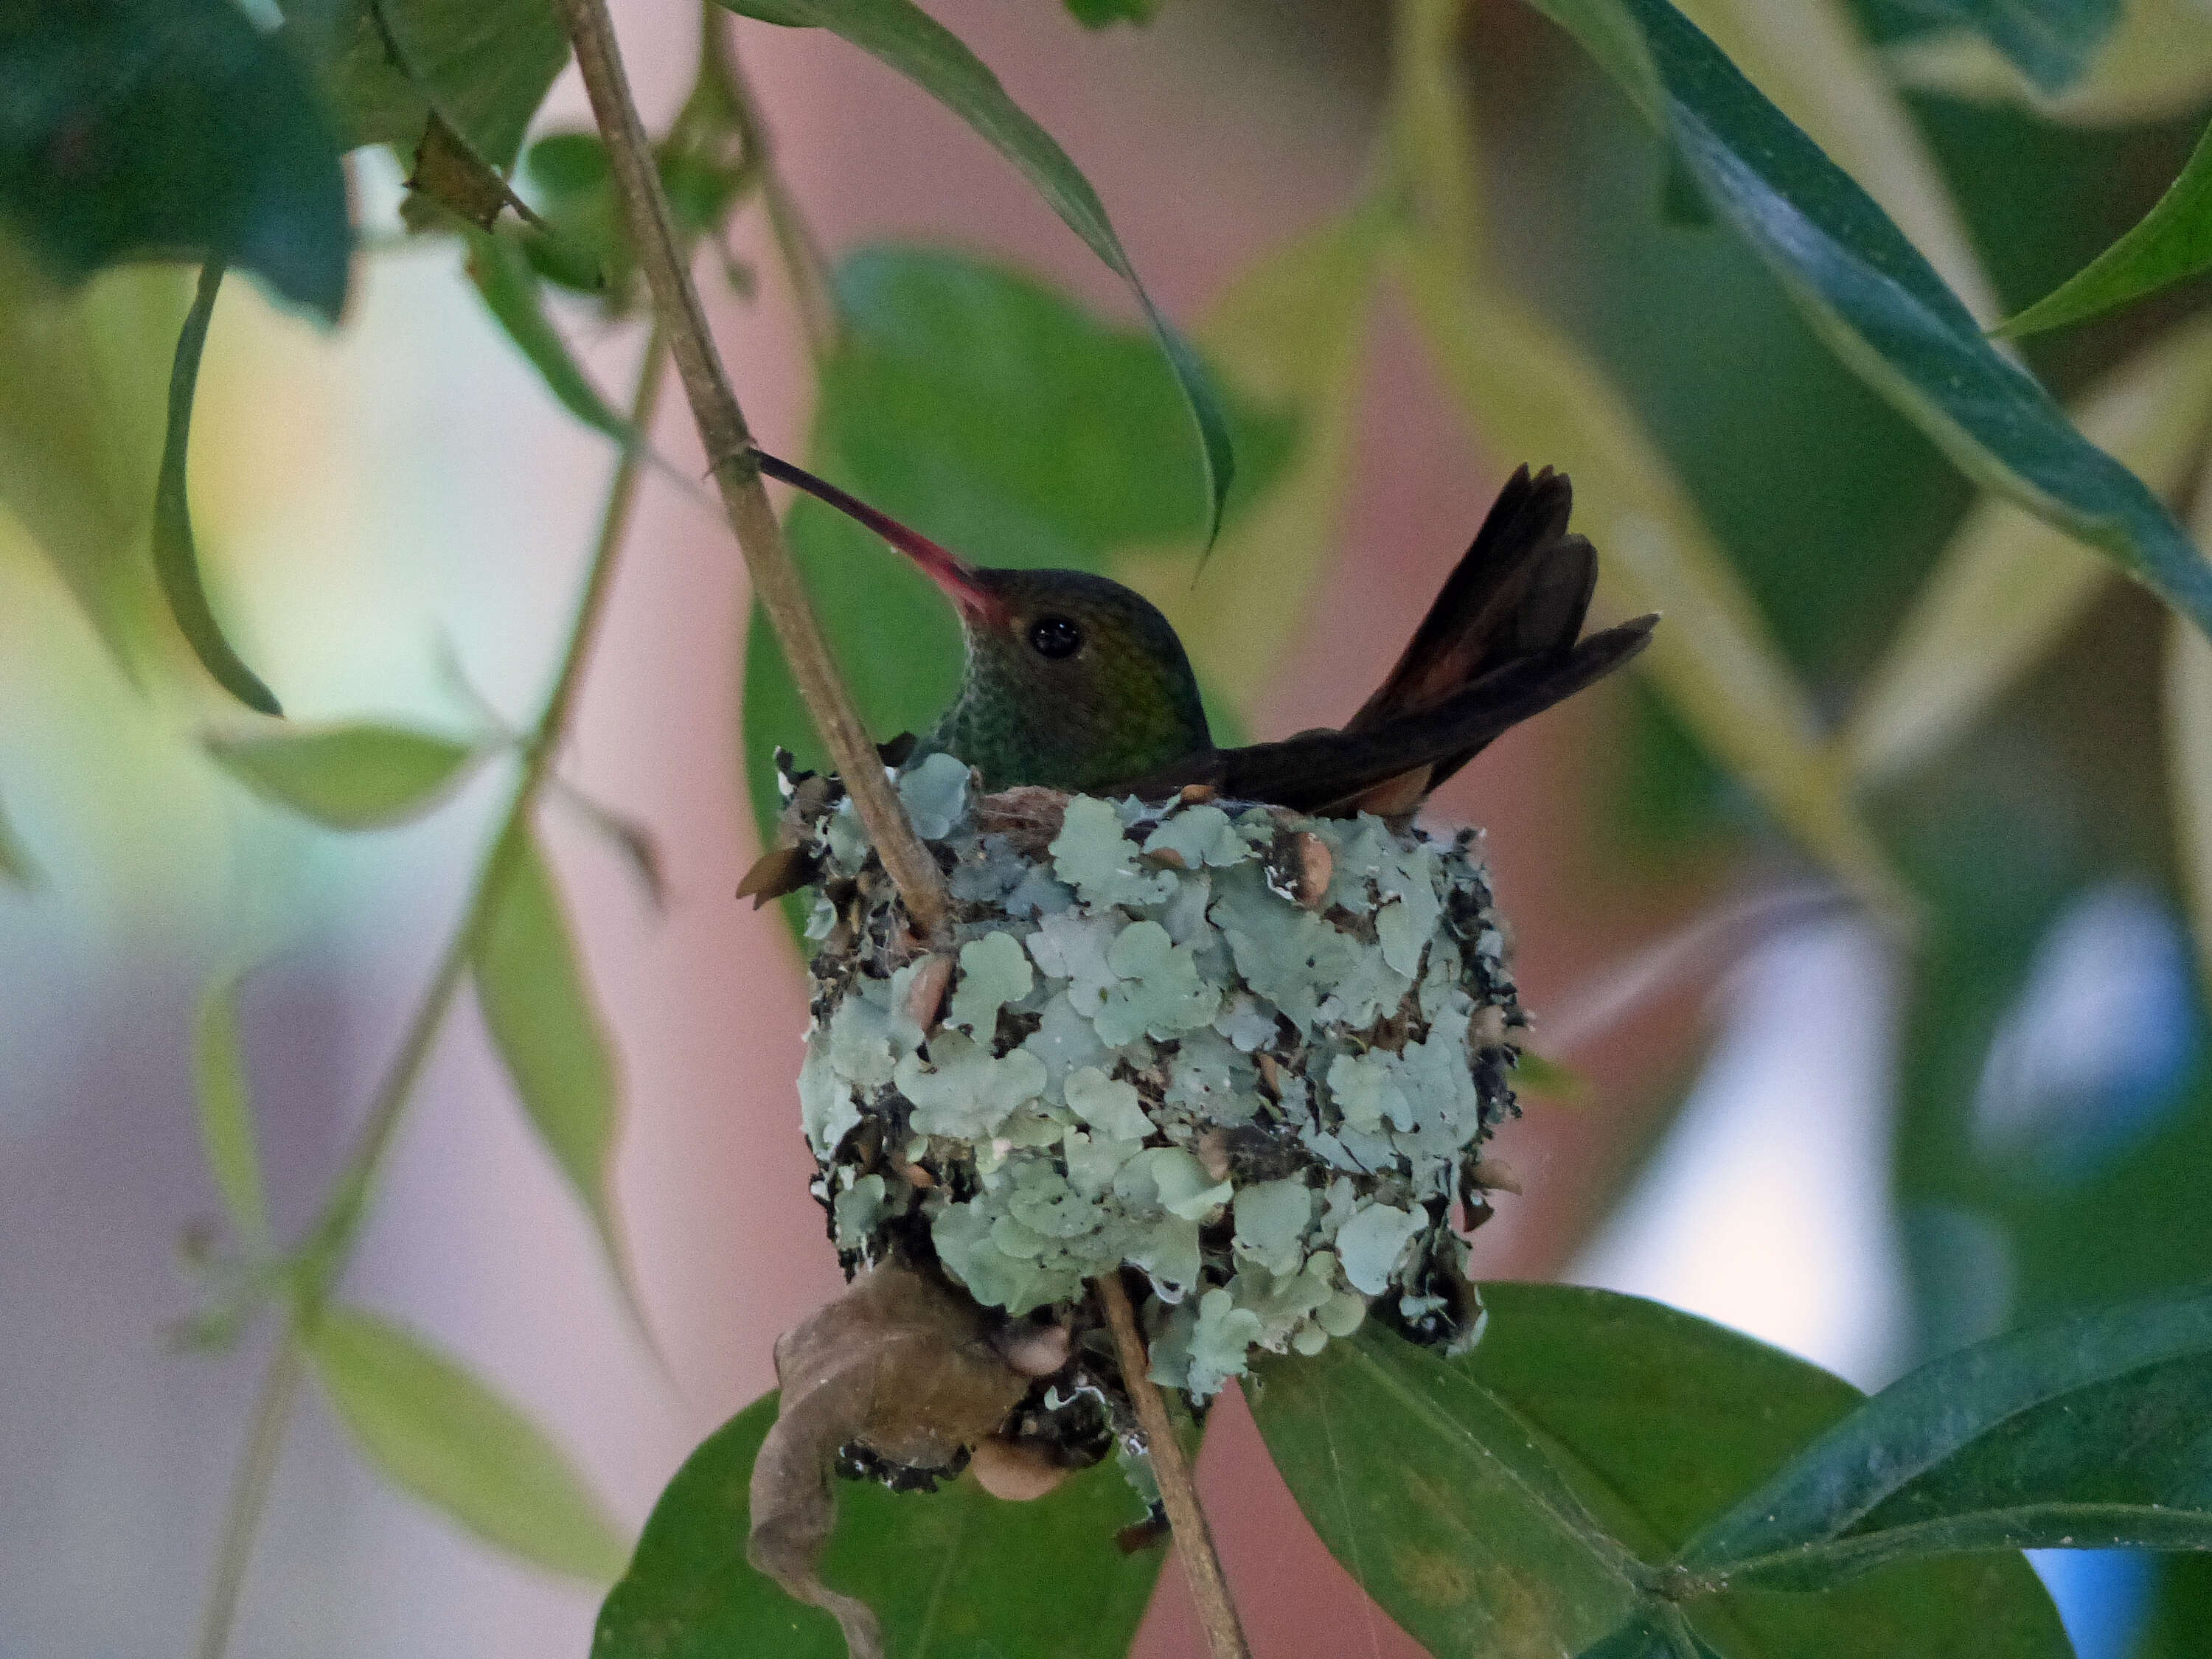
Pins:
x: 729, y: 449
x: 249, y: 1493
x: 795, y: 246
x: 1202, y: 1566
x: 330, y: 1241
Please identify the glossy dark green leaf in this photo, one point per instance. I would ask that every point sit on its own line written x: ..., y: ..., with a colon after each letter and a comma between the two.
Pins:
x: 358, y: 775
x: 901, y: 34
x: 1656, y: 1421
x: 1875, y: 300
x: 485, y: 65
x: 2091, y: 1432
x: 131, y: 129
x: 2048, y: 42
x: 176, y: 558
x: 988, y: 412
x: 2173, y: 241
x: 530, y: 982
x: 433, y: 1429
x: 1441, y: 1501
x: 228, y: 1139
x: 954, y: 1574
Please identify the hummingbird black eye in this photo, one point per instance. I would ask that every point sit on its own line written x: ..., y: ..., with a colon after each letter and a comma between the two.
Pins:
x: 1055, y: 636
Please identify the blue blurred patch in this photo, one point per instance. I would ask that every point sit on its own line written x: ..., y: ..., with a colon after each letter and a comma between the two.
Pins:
x: 2104, y: 1597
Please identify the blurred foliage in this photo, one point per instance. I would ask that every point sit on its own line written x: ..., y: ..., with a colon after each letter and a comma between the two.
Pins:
x: 1736, y: 287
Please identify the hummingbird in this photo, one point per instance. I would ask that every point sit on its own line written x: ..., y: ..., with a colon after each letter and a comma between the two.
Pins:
x: 1075, y: 682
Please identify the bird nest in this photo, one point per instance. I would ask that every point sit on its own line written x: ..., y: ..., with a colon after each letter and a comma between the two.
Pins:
x: 1251, y: 1054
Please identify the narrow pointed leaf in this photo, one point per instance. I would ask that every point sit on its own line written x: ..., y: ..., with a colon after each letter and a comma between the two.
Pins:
x: 901, y: 34
x: 1640, y: 1413
x: 2189, y: 761
x: 159, y: 131
x: 438, y: 1432
x: 2173, y: 242
x: 955, y: 1571
x: 530, y: 982
x: 352, y: 776
x: 1292, y: 335
x: 2006, y: 585
x: 2050, y: 41
x: 1873, y: 298
x: 176, y: 559
x: 2089, y: 1433
x: 1533, y: 396
x: 512, y: 292
x: 2155, y: 64
x: 227, y: 1138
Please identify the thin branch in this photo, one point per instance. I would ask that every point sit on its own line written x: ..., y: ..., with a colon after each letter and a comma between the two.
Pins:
x: 1201, y: 1566
x: 803, y: 261
x: 330, y: 1241
x: 249, y: 1495
x: 729, y: 447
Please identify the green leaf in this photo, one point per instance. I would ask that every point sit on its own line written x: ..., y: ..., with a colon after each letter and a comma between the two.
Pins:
x: 2086, y: 1433
x: 227, y: 1134
x: 484, y: 63
x: 531, y: 985
x: 74, y: 460
x: 1532, y: 394
x: 2154, y: 65
x: 991, y: 413
x: 901, y: 34
x: 438, y: 1432
x: 2050, y: 41
x: 951, y: 1572
x: 176, y: 560
x: 2006, y: 585
x: 353, y: 776
x: 1411, y: 1468
x: 512, y: 292
x: 136, y: 128
x: 15, y: 862
x: 1098, y: 14
x: 2172, y: 241
x: 1876, y: 301
x: 1292, y: 334
x: 2189, y: 765
x: 1441, y: 1501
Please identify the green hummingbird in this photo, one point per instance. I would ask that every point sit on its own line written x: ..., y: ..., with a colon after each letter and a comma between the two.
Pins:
x: 1077, y: 682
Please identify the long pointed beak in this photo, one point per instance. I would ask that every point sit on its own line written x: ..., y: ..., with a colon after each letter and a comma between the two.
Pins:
x: 946, y: 569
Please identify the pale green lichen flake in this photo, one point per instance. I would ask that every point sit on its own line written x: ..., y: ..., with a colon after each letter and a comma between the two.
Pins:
x: 994, y: 971
x: 963, y: 1090
x: 1092, y: 856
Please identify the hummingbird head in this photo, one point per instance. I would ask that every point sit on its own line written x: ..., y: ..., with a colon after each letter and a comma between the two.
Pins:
x: 1072, y: 682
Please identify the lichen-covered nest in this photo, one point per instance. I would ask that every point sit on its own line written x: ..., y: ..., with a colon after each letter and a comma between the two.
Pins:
x: 1249, y: 1053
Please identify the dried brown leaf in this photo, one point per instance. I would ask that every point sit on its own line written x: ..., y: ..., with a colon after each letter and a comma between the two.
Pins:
x: 898, y: 1364
x: 779, y: 870
x: 1028, y: 817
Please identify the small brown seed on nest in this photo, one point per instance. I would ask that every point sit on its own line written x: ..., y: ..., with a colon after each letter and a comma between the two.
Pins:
x: 1316, y: 865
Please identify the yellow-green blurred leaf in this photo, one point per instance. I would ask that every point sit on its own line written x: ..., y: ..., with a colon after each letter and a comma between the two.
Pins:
x: 531, y: 985
x: 358, y: 775
x: 1813, y: 59
x: 1533, y: 396
x: 227, y: 1132
x: 434, y: 1430
x: 1291, y: 336
x: 2007, y: 585
x: 81, y: 430
x: 2157, y: 64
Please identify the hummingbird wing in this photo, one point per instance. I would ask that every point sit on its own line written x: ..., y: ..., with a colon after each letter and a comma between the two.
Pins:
x: 1521, y: 593
x: 1331, y: 771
